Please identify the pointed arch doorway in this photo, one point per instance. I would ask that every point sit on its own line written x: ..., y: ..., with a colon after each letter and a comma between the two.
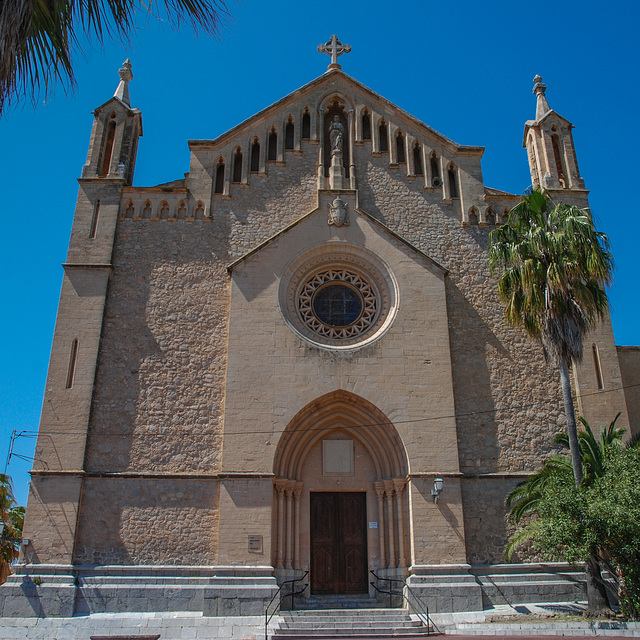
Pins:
x: 340, y: 504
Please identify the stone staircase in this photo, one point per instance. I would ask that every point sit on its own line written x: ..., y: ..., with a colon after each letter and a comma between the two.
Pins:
x: 338, y: 624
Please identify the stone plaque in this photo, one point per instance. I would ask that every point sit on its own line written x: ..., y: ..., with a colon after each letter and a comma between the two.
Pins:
x: 255, y: 544
x: 337, y: 457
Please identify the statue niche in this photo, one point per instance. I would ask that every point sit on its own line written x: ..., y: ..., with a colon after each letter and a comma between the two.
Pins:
x: 336, y: 139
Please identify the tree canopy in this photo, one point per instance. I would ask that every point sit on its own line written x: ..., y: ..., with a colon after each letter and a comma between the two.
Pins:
x: 38, y: 37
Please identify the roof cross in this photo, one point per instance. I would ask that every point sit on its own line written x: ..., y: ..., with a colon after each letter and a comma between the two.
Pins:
x: 334, y: 48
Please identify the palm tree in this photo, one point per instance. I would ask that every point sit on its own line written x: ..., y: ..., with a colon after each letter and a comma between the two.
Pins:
x: 12, y: 519
x: 37, y: 38
x: 554, y: 265
x: 524, y: 498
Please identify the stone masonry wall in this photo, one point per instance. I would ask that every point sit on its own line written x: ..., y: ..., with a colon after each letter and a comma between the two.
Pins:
x: 148, y: 521
x: 159, y: 399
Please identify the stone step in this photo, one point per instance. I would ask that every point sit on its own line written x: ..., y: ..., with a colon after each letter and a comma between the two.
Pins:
x: 334, y: 624
x: 380, y: 611
x: 355, y: 624
x: 312, y: 617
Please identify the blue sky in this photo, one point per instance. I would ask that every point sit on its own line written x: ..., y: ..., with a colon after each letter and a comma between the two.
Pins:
x: 465, y: 68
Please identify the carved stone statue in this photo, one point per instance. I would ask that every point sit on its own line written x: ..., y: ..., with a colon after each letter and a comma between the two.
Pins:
x: 338, y: 214
x: 336, y: 135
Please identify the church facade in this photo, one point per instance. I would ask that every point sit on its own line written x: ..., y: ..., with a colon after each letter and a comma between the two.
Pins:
x: 294, y: 360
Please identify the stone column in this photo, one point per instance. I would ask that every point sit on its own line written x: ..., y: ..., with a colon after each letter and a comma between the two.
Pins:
x: 389, y: 491
x: 375, y: 133
x: 280, y: 486
x: 288, y: 542
x: 264, y: 146
x: 399, y: 487
x: 246, y: 157
x: 426, y: 165
x: 379, y: 487
x: 297, y: 492
x: 352, y: 150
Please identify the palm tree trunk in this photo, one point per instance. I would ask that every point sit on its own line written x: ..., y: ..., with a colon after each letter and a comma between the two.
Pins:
x: 572, y: 429
x: 597, y: 600
x: 598, y: 603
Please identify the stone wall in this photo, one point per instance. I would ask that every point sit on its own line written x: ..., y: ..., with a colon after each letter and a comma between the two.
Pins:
x: 629, y: 358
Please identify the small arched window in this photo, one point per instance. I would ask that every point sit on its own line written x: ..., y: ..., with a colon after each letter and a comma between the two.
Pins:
x: 473, y: 216
x: 237, y: 165
x: 182, y: 210
x: 505, y: 215
x: 146, y: 210
x: 453, y: 183
x: 490, y: 216
x: 199, y: 210
x: 417, y: 160
x: 557, y: 156
x: 306, y: 125
x: 219, y: 186
x: 131, y: 210
x: 164, y: 210
x: 288, y: 134
x: 366, y: 126
x: 435, y: 168
x: 107, y: 151
x: 272, y: 147
x: 384, y: 138
x: 255, y: 155
x: 400, y: 152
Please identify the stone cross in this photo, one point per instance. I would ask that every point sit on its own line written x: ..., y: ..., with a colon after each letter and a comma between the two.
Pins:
x: 334, y: 48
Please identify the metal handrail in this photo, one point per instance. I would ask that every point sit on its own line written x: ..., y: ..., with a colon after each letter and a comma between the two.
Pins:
x: 421, y: 611
x: 267, y: 617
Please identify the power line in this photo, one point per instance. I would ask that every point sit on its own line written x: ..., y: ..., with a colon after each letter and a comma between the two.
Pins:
x: 363, y: 425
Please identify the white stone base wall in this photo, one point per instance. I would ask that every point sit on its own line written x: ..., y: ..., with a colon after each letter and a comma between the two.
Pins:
x: 59, y: 591
x: 170, y: 626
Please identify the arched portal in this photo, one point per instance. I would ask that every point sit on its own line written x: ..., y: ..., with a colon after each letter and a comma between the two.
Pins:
x: 340, y: 505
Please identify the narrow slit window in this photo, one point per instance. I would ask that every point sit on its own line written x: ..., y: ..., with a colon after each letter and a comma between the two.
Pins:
x: 366, y: 126
x: 255, y: 156
x: 288, y: 136
x: 597, y: 367
x: 400, y: 148
x: 306, y: 126
x: 73, y: 357
x: 237, y: 166
x: 94, y: 220
x: 417, y: 161
x: 272, y: 148
x: 219, y: 188
x: 384, y: 138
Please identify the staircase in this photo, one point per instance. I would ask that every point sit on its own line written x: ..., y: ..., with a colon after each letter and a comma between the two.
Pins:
x: 338, y: 624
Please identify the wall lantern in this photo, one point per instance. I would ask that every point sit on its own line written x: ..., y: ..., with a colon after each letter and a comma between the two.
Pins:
x: 438, y: 484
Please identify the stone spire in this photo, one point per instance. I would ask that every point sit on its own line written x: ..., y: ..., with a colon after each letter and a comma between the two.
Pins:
x: 122, y: 92
x: 539, y: 88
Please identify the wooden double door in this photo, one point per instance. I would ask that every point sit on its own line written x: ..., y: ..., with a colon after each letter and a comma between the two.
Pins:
x: 338, y: 543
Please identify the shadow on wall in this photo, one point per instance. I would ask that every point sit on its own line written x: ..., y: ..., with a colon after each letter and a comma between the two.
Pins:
x: 469, y: 334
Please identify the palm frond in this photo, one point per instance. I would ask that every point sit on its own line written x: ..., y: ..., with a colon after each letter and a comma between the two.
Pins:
x: 38, y: 37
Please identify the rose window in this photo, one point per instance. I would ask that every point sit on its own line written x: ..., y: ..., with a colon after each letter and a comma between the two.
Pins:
x: 337, y: 304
